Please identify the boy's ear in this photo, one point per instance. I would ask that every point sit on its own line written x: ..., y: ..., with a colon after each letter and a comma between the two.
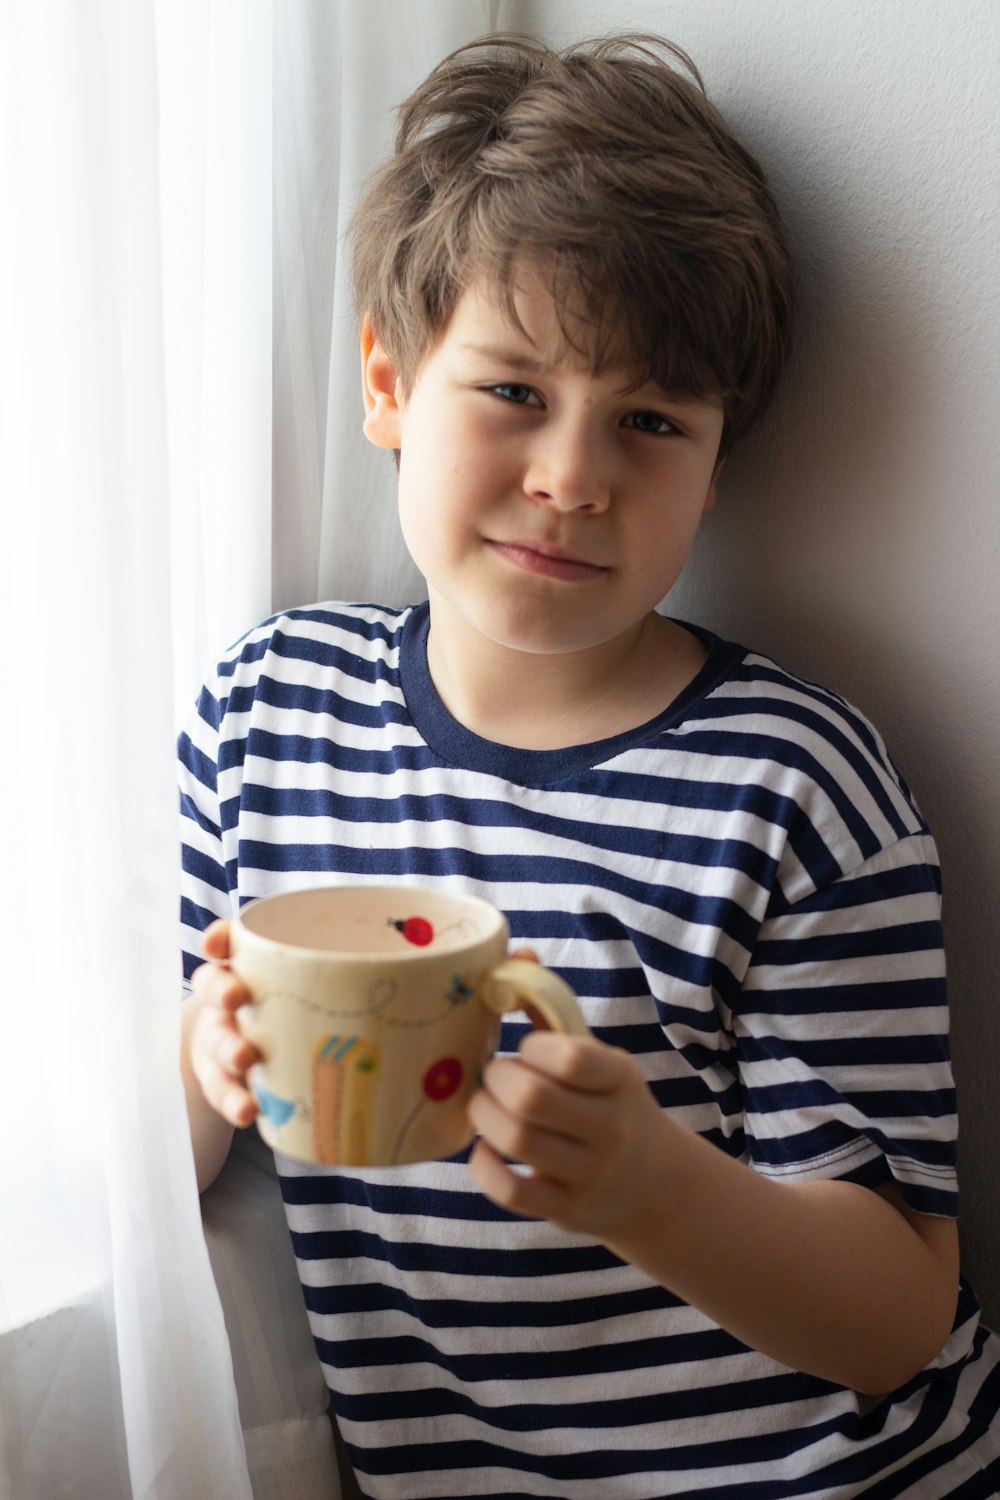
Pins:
x: 380, y: 390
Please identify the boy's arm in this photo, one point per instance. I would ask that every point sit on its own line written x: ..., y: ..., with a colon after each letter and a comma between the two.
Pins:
x: 826, y: 1277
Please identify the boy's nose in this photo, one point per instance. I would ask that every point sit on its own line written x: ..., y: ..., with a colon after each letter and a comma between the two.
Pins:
x: 568, y: 471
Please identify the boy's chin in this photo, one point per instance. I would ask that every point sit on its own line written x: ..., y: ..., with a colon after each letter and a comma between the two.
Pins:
x: 534, y: 639
x: 530, y: 629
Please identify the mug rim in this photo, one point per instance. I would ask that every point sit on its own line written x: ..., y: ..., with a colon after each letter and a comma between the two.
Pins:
x: 407, y: 955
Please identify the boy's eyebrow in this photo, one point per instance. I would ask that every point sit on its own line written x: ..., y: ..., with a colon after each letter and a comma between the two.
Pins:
x: 504, y: 353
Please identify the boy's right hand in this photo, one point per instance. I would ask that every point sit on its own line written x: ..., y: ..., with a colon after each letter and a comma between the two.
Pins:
x: 220, y: 1054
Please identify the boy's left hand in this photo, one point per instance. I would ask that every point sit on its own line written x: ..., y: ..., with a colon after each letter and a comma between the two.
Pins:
x: 578, y: 1113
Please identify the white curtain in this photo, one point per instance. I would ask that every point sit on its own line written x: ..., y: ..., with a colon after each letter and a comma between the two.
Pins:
x: 144, y: 381
x: 115, y: 1373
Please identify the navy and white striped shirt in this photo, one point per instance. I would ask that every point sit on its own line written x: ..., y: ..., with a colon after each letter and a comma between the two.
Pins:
x: 743, y: 895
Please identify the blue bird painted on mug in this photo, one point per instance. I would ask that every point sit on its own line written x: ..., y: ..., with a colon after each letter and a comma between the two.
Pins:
x: 279, y: 1111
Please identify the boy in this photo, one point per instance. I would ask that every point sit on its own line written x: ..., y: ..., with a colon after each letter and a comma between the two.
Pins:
x: 710, y: 1250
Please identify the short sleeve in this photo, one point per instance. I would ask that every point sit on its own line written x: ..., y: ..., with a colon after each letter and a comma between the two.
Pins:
x: 842, y: 1034
x: 204, y: 884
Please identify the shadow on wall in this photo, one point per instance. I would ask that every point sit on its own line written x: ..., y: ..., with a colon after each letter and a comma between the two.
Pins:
x: 807, y: 539
x: 816, y: 554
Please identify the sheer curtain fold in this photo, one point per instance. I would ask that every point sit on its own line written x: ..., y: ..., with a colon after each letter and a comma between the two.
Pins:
x: 115, y: 1373
x: 215, y: 72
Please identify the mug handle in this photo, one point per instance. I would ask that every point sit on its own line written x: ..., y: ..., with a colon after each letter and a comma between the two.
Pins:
x: 519, y: 984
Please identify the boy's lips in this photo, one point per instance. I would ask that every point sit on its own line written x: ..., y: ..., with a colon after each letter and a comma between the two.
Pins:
x: 550, y: 562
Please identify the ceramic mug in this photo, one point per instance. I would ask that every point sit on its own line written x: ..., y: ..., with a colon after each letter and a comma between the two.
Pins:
x: 375, y: 1009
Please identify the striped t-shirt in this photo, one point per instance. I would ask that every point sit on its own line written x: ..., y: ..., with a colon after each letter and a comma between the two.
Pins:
x: 743, y: 895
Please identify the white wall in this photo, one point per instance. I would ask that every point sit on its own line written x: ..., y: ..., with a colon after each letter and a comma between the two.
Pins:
x: 858, y: 536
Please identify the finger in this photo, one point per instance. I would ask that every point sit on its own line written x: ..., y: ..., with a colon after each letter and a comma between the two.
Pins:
x: 217, y: 1039
x: 221, y: 1057
x: 232, y: 1051
x: 527, y: 954
x: 580, y: 1063
x: 215, y: 940
x: 220, y: 987
x: 227, y: 1096
x: 537, y: 1099
x: 530, y: 1196
x: 554, y: 1155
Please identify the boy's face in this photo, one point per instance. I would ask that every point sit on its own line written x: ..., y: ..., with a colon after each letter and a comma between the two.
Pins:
x: 549, y: 509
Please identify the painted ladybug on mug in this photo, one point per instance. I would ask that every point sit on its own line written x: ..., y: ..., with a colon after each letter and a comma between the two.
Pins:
x: 416, y: 930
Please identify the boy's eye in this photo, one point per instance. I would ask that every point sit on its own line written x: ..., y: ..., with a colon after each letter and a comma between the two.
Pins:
x: 512, y: 391
x: 649, y: 421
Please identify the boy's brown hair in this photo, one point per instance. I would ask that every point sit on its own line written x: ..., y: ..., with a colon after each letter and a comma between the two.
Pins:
x: 606, y: 169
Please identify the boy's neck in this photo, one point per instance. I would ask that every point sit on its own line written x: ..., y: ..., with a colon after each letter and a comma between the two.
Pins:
x: 534, y: 701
